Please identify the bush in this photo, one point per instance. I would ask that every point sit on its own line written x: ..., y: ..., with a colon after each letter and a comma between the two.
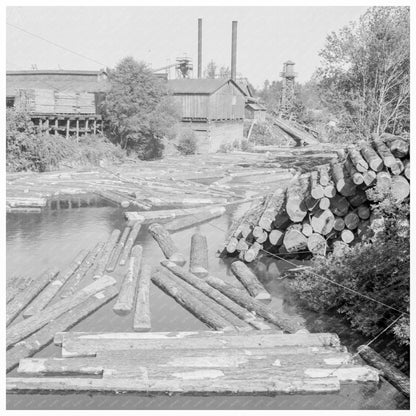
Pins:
x: 246, y: 146
x: 379, y: 269
x: 187, y: 142
x: 225, y: 148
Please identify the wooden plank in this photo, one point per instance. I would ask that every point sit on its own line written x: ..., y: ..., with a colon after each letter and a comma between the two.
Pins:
x: 141, y: 321
x: 49, y: 292
x: 192, y: 384
x: 87, y: 344
x: 27, y: 327
x: 125, y: 298
x: 216, y: 295
x: 39, y: 340
x: 23, y: 299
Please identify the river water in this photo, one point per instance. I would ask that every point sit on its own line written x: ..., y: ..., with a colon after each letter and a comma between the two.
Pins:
x: 54, y: 237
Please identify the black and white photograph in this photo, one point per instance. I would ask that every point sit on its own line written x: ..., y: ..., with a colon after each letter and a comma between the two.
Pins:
x: 207, y: 206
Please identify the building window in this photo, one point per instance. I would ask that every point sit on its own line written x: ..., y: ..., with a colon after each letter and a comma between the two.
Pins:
x: 9, y: 102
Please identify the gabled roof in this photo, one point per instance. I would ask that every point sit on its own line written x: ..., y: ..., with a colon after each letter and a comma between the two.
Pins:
x: 199, y: 85
x: 54, y: 72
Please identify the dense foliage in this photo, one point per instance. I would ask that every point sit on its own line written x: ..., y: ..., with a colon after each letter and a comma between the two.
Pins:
x: 30, y: 149
x: 138, y: 109
x: 379, y: 269
x: 364, y: 78
x: 187, y: 144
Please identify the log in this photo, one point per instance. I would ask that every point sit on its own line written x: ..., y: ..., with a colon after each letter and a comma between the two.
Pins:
x: 324, y: 203
x: 310, y: 203
x: 193, y: 220
x: 400, y: 188
x: 363, y: 212
x: 358, y: 199
x: 79, y: 344
x: 330, y: 191
x: 384, y: 152
x: 242, y: 245
x: 281, y: 320
x: 360, y: 164
x: 316, y: 189
x: 397, y: 145
x: 352, y: 220
x: 339, y: 205
x: 307, y: 229
x: 388, y: 371
x: 17, y: 285
x: 176, y: 202
x: 347, y: 236
x: 198, y: 384
x: 112, y: 262
x: 372, y: 158
x: 294, y: 240
x: 250, y: 281
x: 130, y: 242
x: 179, y: 292
x: 397, y: 168
x: 253, y: 251
x: 141, y: 321
x: 272, y: 208
x: 39, y: 340
x: 198, y: 263
x: 356, y: 176
x: 73, y: 282
x: 263, y: 238
x: 101, y: 263
x: 295, y: 195
x: 49, y: 292
x: 276, y: 237
x: 232, y: 245
x: 322, y: 221
x: 364, y: 231
x: 407, y: 169
x: 324, y: 179
x: 216, y: 295
x: 344, y: 184
x: 167, y: 245
x: 27, y: 327
x: 23, y: 299
x: 317, y: 244
x: 257, y: 231
x: 125, y: 299
x: 339, y: 224
x: 383, y: 181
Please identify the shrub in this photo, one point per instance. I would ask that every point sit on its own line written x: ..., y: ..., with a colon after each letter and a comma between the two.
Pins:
x: 225, y: 148
x: 246, y: 146
x: 187, y: 144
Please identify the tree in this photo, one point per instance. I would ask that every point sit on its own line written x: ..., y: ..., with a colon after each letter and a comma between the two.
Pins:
x: 271, y: 94
x: 364, y: 79
x: 138, y: 109
x: 211, y: 70
x: 224, y: 72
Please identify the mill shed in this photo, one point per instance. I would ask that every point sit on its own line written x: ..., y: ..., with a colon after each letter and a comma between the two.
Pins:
x: 213, y: 108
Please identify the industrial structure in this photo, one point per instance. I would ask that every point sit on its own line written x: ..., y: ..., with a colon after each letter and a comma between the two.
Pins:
x: 288, y: 88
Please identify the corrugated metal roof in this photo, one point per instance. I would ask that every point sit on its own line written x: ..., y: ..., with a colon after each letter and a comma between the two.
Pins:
x: 198, y: 85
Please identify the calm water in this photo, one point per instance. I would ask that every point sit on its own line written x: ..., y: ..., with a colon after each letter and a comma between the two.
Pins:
x: 53, y: 238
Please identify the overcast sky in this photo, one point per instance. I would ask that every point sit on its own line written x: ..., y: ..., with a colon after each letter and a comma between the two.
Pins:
x: 267, y: 36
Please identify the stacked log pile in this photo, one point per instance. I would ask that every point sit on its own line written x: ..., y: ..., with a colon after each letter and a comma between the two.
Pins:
x: 329, y: 207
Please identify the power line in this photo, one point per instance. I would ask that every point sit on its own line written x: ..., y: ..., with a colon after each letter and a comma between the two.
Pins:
x: 55, y: 44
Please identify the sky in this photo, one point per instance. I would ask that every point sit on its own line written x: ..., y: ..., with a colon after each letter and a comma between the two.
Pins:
x: 267, y: 37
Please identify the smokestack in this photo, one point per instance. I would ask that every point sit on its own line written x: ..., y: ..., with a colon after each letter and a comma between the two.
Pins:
x: 234, y: 51
x: 199, y: 48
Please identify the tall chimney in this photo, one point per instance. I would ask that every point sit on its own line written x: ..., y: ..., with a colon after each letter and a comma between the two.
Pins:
x: 234, y: 51
x: 199, y: 48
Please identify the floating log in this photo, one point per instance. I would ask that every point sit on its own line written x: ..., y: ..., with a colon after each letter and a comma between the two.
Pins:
x: 352, y: 220
x: 195, y: 383
x: 372, y: 158
x: 344, y: 184
x: 317, y: 244
x: 360, y: 164
x: 347, y: 236
x: 125, y: 299
x: 250, y: 281
x: 29, y: 202
x: 388, y: 371
x: 346, y: 374
x: 49, y: 292
x: 253, y: 251
x: 78, y: 344
x: 294, y: 240
x: 295, y: 196
x: 198, y: 263
x: 27, y: 327
x: 384, y: 152
x: 276, y: 237
x: 274, y: 205
x: 15, y: 286
x: 73, y: 282
x: 193, y: 220
x: 23, y: 299
x: 216, y: 295
x: 281, y: 320
x: 182, y: 202
x: 44, y: 336
x: 322, y: 221
x: 167, y: 245
x: 102, y: 261
x: 130, y: 242
x: 113, y: 260
x: 164, y: 281
x: 400, y: 188
x: 141, y: 321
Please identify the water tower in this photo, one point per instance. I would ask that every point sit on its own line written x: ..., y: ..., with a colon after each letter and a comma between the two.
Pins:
x: 288, y: 88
